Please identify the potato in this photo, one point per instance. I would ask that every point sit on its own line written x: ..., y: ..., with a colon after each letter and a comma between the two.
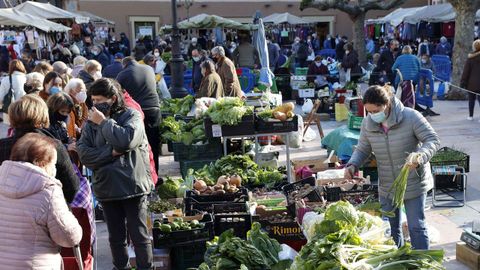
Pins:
x: 280, y: 116
x: 219, y: 192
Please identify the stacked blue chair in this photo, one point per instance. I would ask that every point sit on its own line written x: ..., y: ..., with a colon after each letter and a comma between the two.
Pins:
x: 325, y: 53
x: 247, y: 79
x: 443, y: 72
x: 426, y: 97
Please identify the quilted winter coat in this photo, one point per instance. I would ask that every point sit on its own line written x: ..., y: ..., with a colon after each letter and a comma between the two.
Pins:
x: 34, y: 219
x: 408, y: 132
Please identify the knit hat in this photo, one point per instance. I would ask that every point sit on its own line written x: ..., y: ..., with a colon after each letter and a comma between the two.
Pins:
x: 476, y: 45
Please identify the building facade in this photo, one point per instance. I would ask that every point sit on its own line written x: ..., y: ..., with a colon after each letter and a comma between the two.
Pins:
x: 147, y: 16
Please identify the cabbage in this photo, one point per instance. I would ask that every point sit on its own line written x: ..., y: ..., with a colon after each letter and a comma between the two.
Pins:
x: 169, y: 189
x: 342, y: 211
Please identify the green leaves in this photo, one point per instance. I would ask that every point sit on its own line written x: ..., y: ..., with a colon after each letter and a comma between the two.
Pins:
x: 228, y: 111
x: 178, y: 106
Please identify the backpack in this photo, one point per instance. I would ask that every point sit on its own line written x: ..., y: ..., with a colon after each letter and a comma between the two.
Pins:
x: 8, y: 98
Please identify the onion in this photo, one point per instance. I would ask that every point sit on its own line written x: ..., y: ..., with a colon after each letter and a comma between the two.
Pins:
x: 236, y: 180
x: 222, y: 180
x: 200, y: 185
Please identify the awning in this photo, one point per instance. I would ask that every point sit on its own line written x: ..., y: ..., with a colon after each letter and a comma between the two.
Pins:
x: 278, y: 18
x: 48, y: 11
x: 397, y: 16
x: 94, y: 18
x: 205, y: 21
x: 12, y: 17
x: 433, y: 13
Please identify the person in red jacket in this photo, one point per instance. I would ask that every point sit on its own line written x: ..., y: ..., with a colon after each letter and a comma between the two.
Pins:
x: 317, y: 72
x: 131, y: 103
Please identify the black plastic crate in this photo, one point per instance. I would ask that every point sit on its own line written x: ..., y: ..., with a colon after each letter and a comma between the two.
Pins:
x: 198, y: 203
x: 356, y: 195
x: 185, y: 165
x: 313, y: 196
x: 245, y: 127
x: 211, y: 150
x: 188, y: 256
x: 449, y: 182
x: 176, y: 238
x: 170, y: 146
x: 263, y: 126
x: 232, y: 216
x: 458, y: 158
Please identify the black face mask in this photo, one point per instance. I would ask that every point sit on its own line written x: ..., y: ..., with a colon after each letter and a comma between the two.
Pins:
x: 396, y: 49
x: 60, y: 117
x: 104, y: 107
x: 28, y: 88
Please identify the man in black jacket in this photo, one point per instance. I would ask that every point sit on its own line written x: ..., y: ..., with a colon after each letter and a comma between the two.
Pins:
x: 339, y: 49
x: 139, y: 81
x: 387, y: 59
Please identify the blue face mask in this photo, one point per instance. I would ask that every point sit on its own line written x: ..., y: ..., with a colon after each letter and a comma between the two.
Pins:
x: 379, y: 117
x: 55, y: 90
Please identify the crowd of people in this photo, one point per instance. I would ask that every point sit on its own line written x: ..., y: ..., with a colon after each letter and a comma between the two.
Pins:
x: 99, y: 107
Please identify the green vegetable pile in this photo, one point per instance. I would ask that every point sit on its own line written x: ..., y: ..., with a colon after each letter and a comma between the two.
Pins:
x: 161, y: 206
x: 258, y: 252
x: 340, y: 243
x: 241, y: 165
x: 178, y: 106
x: 180, y: 131
x: 170, y: 188
x: 228, y: 111
x: 399, y: 187
x: 178, y: 225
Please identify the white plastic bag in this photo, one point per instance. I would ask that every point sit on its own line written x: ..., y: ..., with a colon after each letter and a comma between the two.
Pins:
x: 307, y: 106
x: 163, y: 93
x: 287, y: 253
x: 310, y: 135
x: 308, y: 223
x: 296, y: 137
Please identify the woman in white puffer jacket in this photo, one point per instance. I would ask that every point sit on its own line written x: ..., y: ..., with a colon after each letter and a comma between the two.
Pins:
x: 35, y: 219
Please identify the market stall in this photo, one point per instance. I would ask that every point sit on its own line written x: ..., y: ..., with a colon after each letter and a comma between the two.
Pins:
x: 12, y: 17
x: 280, y: 18
x: 50, y: 12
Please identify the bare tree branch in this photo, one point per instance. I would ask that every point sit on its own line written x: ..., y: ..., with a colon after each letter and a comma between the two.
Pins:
x: 351, y: 7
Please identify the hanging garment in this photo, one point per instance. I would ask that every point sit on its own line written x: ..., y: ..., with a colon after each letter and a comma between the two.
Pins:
x: 448, y: 29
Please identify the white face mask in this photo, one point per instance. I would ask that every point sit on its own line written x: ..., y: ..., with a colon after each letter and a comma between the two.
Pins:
x: 97, y: 75
x: 196, y: 58
x: 156, y: 54
x: 81, y: 97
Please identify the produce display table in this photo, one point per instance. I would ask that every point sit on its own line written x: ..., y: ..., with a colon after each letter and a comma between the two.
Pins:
x: 256, y: 136
x: 342, y: 140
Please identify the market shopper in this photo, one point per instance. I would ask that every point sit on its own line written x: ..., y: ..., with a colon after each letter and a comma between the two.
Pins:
x: 471, y: 77
x: 52, y: 84
x: 211, y: 85
x: 43, y: 67
x: 14, y: 82
x: 394, y: 132
x: 100, y: 55
x: 427, y: 63
x: 228, y: 74
x: 139, y: 81
x: 245, y: 55
x: 60, y: 106
x: 37, y: 219
x: 273, y: 53
x: 387, y: 58
x: 79, y: 115
x: 78, y: 65
x: 114, y: 145
x: 112, y: 70
x: 34, y: 83
x: 444, y: 47
x: 317, y: 72
x: 63, y: 70
x: 30, y: 114
x: 197, y: 76
x: 350, y: 62
x: 91, y: 72
x: 408, y: 65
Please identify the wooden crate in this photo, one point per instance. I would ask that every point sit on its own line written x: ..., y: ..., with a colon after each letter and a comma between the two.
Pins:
x: 468, y: 256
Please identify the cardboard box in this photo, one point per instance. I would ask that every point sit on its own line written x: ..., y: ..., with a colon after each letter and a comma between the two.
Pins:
x: 468, y: 256
x: 316, y: 165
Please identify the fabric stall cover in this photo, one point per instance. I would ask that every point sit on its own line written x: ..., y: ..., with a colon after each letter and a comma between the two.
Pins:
x: 279, y: 18
x: 266, y: 75
x: 397, y: 16
x: 12, y: 17
x: 48, y: 11
x: 94, y: 18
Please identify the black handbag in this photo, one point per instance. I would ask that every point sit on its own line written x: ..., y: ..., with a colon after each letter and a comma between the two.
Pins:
x: 8, y: 98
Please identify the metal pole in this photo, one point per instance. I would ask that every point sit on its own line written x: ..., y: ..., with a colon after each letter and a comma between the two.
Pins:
x: 176, y: 63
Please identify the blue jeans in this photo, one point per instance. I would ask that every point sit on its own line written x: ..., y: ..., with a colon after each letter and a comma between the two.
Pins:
x: 414, y: 209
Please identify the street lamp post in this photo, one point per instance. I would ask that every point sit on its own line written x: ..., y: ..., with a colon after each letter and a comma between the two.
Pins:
x: 176, y: 63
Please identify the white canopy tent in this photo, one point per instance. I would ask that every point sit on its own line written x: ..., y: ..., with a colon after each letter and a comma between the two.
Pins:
x: 278, y: 18
x: 397, y: 16
x: 48, y: 11
x: 433, y: 13
x: 94, y: 18
x: 12, y: 17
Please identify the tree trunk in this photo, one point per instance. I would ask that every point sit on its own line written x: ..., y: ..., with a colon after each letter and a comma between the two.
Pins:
x: 359, y: 37
x: 464, y: 29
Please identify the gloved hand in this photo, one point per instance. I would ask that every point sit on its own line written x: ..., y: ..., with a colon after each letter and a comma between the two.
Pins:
x: 350, y: 171
x: 413, y: 160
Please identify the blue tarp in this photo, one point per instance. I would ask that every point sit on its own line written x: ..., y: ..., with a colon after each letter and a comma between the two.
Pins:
x: 342, y: 140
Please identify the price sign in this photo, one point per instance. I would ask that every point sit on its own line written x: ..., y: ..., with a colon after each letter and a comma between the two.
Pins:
x: 216, y: 131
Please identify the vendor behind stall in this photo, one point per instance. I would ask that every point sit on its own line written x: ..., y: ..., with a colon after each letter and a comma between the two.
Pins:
x: 394, y: 133
x: 317, y: 72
